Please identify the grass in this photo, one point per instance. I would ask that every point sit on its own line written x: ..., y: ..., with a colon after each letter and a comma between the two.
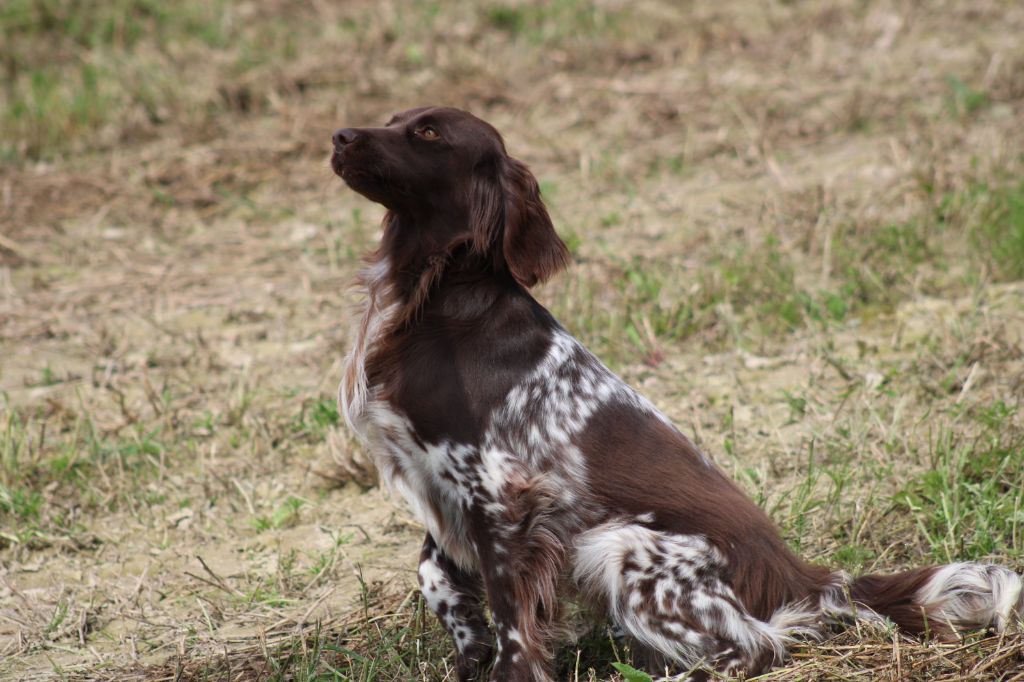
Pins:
x: 282, y: 517
x: 403, y: 642
x: 80, y: 462
x: 998, y: 234
x: 748, y: 294
x: 73, y: 70
x: 797, y: 228
x: 970, y: 504
x: 555, y: 22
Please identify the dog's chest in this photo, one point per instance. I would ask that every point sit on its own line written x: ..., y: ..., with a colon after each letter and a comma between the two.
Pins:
x: 442, y: 482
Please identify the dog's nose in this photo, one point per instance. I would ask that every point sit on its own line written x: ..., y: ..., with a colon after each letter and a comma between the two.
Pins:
x: 343, y: 137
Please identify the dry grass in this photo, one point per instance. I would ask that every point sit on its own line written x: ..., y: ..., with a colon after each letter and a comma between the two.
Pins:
x: 798, y: 228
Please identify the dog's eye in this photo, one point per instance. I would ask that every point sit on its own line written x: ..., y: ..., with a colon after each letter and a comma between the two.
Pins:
x: 428, y: 133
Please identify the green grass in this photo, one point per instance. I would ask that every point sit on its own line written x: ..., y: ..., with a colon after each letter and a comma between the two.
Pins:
x: 749, y: 295
x: 115, y: 23
x: 285, y: 515
x: 49, y: 108
x: 631, y: 674
x: 316, y: 417
x: 47, y: 467
x: 966, y: 503
x: 740, y: 296
x: 970, y: 503
x: 997, y: 233
x: 552, y: 23
x: 964, y: 100
x: 84, y: 76
x: 74, y: 70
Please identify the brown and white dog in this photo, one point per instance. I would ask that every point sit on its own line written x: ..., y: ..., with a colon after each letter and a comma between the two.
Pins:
x: 537, y: 472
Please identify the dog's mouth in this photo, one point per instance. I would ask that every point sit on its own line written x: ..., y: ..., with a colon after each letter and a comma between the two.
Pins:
x: 352, y: 173
x: 338, y: 163
x: 351, y: 168
x: 357, y: 176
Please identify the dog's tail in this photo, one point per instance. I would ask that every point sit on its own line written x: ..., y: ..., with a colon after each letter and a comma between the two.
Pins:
x: 939, y: 600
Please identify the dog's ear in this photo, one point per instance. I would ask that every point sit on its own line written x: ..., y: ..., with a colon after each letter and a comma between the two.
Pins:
x: 532, y: 248
x: 510, y: 221
x: 487, y: 207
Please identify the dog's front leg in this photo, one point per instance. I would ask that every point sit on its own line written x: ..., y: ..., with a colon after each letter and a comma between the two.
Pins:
x: 523, y: 654
x: 455, y: 596
x: 521, y: 560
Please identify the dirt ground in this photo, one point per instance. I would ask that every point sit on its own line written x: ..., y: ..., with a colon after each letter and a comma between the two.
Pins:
x: 797, y: 227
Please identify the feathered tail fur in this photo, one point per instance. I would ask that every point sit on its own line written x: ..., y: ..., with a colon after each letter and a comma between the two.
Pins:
x: 939, y: 600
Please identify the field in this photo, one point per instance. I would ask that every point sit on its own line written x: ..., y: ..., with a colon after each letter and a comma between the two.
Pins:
x: 798, y: 227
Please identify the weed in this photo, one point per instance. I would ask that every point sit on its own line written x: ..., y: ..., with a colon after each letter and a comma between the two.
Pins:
x: 317, y: 416
x: 286, y: 514
x: 797, y: 406
x: 853, y: 557
x: 631, y: 674
x: 998, y: 234
x: 21, y: 503
x: 964, y: 100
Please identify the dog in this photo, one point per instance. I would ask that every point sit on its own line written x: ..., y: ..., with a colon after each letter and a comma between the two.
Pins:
x: 537, y: 472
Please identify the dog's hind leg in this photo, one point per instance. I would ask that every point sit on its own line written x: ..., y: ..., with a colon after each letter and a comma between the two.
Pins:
x: 669, y: 592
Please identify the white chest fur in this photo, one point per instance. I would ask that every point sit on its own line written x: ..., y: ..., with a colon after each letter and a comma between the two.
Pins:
x: 379, y: 310
x: 435, y: 479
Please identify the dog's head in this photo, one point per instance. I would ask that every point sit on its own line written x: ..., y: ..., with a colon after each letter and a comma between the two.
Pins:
x: 445, y: 173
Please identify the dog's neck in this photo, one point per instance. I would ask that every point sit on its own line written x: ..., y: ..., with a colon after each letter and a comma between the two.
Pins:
x: 431, y: 258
